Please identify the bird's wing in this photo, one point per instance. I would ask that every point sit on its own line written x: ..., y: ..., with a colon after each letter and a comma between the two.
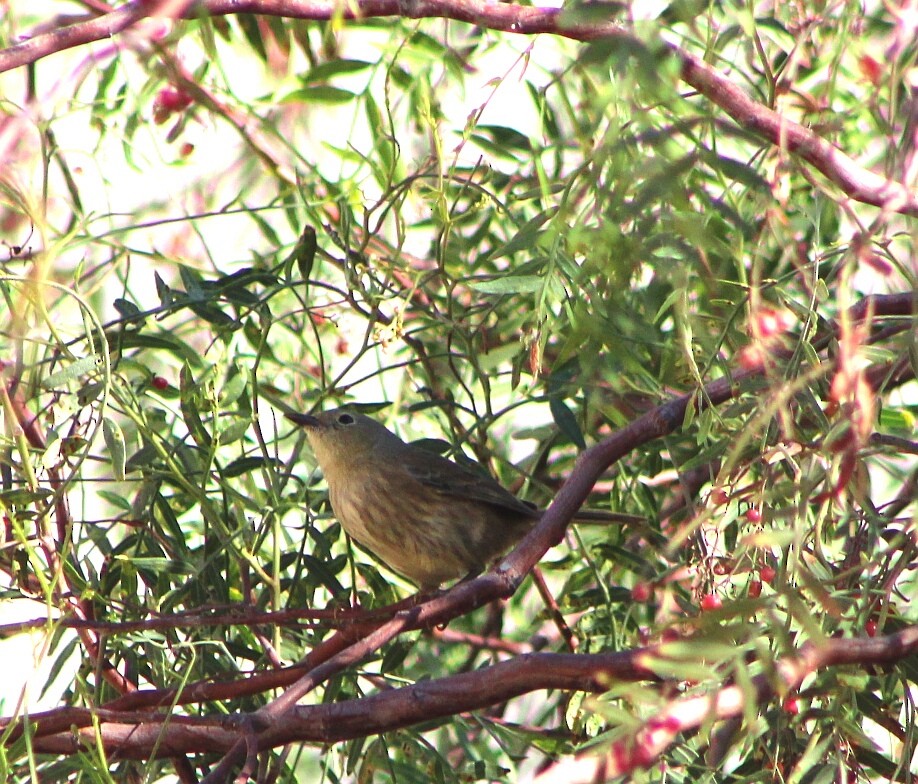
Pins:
x: 452, y: 479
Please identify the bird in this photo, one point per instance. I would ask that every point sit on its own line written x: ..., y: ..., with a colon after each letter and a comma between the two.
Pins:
x: 426, y: 517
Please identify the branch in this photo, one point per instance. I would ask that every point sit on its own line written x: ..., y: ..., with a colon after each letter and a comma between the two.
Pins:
x: 138, y: 733
x: 134, y: 734
x: 856, y: 181
x: 28, y: 423
x: 96, y: 29
x: 644, y: 747
x: 472, y: 594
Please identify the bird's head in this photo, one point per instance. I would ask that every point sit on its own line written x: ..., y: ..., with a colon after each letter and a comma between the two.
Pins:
x: 342, y: 437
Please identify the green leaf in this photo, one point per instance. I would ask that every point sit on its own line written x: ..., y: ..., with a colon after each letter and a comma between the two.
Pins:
x: 502, y: 141
x: 772, y: 29
x: 319, y: 94
x: 246, y: 465
x: 882, y: 765
x: 324, y: 572
x: 395, y: 655
x: 234, y: 430
x: 143, y: 458
x: 506, y: 137
x: 23, y: 497
x: 156, y: 564
x: 114, y: 442
x: 903, y: 418
x: 499, y: 356
x: 526, y: 238
x: 212, y: 314
x: 736, y: 170
x: 117, y: 501
x: 328, y: 70
x: 193, y: 282
x: 594, y: 12
x: 566, y: 421
x: 510, y: 284
x: 236, y: 287
x: 252, y: 32
x: 303, y: 254
x: 166, y: 297
x: 189, y: 404
x: 164, y: 341
x: 70, y: 373
x: 128, y: 310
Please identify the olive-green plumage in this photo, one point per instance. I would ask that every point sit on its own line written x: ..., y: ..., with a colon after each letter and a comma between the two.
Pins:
x: 426, y: 517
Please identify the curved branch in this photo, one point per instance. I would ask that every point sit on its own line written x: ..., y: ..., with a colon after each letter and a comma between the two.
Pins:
x: 469, y: 595
x: 644, y: 747
x: 136, y: 736
x: 15, y: 403
x: 856, y: 181
x: 97, y: 29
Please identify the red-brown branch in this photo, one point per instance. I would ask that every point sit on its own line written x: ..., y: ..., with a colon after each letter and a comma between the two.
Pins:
x: 472, y: 594
x: 136, y: 735
x: 644, y: 747
x: 82, y: 608
x: 855, y: 180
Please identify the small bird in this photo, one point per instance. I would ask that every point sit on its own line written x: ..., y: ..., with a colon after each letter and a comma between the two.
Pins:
x: 426, y: 517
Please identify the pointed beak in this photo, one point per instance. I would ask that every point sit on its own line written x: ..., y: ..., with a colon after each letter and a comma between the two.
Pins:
x: 304, y: 420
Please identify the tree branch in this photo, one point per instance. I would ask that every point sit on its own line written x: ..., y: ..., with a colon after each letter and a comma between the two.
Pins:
x: 135, y: 736
x: 642, y: 748
x: 856, y: 181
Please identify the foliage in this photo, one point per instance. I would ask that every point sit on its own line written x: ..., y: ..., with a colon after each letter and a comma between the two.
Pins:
x: 522, y: 244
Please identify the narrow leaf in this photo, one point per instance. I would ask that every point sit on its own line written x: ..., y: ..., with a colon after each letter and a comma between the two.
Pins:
x: 566, y: 421
x: 114, y: 442
x: 513, y: 284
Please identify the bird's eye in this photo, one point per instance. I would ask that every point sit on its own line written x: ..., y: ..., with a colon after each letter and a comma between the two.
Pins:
x: 345, y: 419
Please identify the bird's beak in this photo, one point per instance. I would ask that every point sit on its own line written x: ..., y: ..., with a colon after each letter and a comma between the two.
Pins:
x: 304, y: 420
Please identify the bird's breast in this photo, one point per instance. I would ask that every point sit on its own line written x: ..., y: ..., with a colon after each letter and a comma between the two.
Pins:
x: 424, y: 534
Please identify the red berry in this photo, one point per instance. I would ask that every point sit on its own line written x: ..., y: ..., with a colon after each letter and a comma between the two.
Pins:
x: 769, y: 322
x: 641, y: 593
x: 755, y: 589
x: 168, y: 101
x: 791, y: 706
x: 711, y: 601
x: 719, y: 496
x: 766, y: 323
x: 173, y: 100
x: 751, y: 357
x: 753, y: 515
x: 871, y: 627
x: 160, y: 383
x: 767, y: 573
x: 871, y: 68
